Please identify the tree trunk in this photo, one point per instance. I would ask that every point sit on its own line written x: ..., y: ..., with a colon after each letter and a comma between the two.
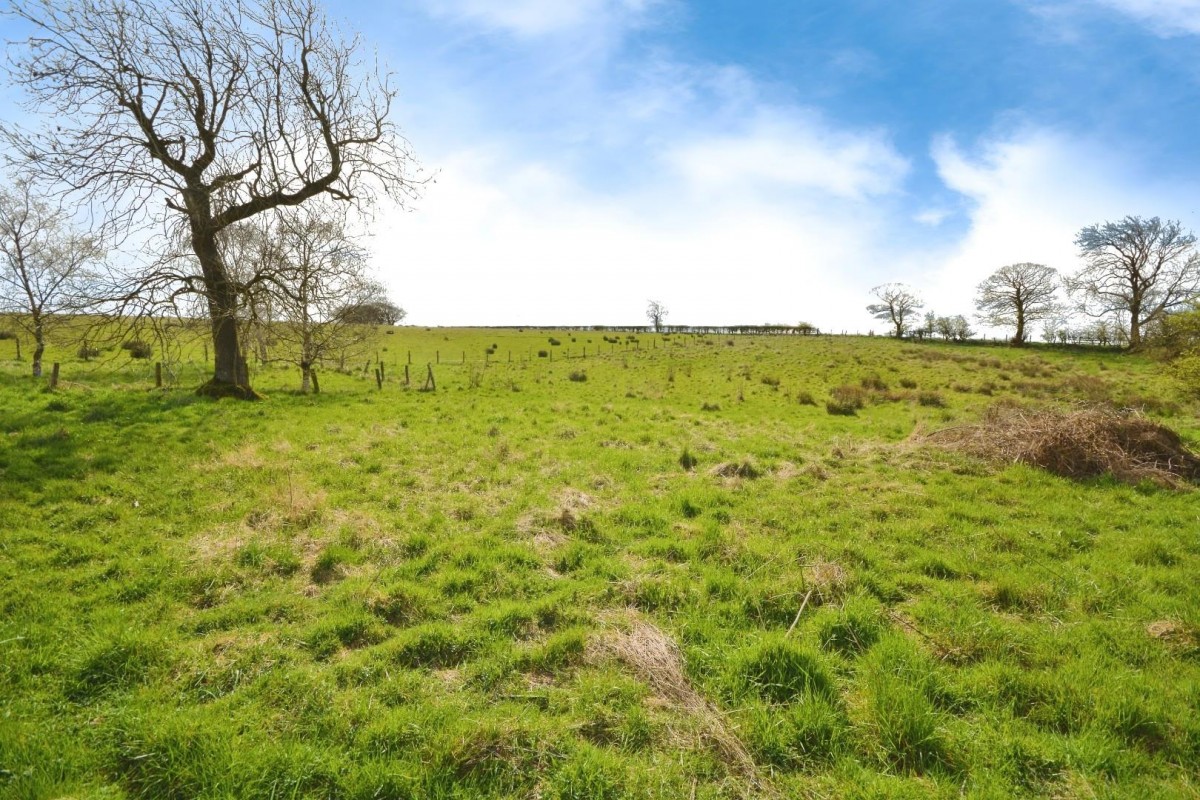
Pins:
x: 1019, y: 338
x: 230, y: 376
x: 39, y: 346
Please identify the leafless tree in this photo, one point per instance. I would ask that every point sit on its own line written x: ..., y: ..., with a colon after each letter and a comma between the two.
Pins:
x: 324, y: 270
x: 1140, y: 267
x: 656, y: 312
x: 44, y: 263
x: 1016, y: 295
x: 897, y: 305
x: 200, y: 114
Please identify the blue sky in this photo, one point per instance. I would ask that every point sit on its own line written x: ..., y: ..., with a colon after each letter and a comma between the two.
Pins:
x: 769, y: 161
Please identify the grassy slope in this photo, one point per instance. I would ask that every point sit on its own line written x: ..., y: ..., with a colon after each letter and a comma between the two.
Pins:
x: 401, y: 594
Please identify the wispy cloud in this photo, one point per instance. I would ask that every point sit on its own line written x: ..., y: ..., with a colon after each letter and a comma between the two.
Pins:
x: 1165, y: 17
x: 538, y: 18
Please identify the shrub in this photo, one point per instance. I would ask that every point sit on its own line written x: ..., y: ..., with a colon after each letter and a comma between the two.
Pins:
x: 908, y: 383
x: 543, y: 353
x: 687, y: 460
x: 7, y: 335
x: 578, y: 376
x: 137, y: 348
x: 87, y: 352
x: 554, y: 342
x: 845, y: 400
x: 770, y: 380
x: 874, y: 383
x: 805, y: 399
x: 931, y: 399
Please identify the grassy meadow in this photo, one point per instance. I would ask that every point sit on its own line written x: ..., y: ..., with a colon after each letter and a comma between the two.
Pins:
x: 665, y: 570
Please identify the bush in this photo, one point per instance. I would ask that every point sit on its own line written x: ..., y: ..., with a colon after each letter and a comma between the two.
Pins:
x: 805, y: 399
x: 554, y: 342
x: 874, y: 383
x: 137, y: 348
x: 845, y: 400
x: 86, y: 352
x: 7, y: 335
x: 908, y: 383
x: 931, y: 399
x: 543, y: 353
x: 578, y: 376
x: 770, y: 380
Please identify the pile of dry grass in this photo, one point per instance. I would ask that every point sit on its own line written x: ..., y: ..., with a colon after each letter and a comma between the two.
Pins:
x: 1078, y: 443
x: 655, y: 658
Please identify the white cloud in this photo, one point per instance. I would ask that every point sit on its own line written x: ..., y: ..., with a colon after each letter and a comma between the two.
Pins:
x: 794, y: 151
x: 536, y: 18
x: 1165, y: 17
x: 496, y: 243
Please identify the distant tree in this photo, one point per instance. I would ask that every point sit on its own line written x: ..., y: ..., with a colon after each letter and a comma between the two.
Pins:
x: 656, y: 312
x: 194, y: 115
x: 1141, y: 267
x: 897, y: 305
x: 376, y: 310
x: 44, y: 263
x: 1016, y: 295
x: 960, y: 328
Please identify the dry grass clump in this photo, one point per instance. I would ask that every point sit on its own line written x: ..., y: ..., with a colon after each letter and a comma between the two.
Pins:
x: 746, y: 469
x: 655, y: 658
x: 1079, y: 443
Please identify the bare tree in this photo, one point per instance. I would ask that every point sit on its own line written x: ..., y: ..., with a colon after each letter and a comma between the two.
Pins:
x: 44, y: 262
x: 897, y: 305
x: 1140, y: 267
x: 201, y: 114
x: 1016, y: 295
x: 322, y: 270
x: 656, y: 312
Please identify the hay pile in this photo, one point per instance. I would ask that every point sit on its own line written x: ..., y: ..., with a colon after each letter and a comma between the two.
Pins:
x: 1079, y: 443
x: 655, y: 658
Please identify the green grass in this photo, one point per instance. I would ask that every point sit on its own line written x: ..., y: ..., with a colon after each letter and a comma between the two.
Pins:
x: 391, y: 594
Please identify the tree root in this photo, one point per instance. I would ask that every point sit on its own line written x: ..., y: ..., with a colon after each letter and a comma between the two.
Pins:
x: 218, y: 389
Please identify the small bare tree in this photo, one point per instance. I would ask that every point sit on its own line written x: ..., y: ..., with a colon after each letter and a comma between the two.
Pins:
x: 656, y: 312
x: 1016, y: 295
x: 200, y: 114
x: 897, y: 305
x: 1140, y: 267
x: 44, y: 263
x: 322, y: 270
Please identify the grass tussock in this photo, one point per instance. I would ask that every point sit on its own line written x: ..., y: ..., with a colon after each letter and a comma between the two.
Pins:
x: 1078, y: 443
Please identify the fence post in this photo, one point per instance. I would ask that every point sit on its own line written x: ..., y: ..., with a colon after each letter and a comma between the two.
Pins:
x: 158, y: 375
x: 54, y: 377
x: 406, y: 375
x: 378, y: 379
x: 312, y: 373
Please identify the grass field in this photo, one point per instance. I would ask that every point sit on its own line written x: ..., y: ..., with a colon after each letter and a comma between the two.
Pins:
x: 664, y: 570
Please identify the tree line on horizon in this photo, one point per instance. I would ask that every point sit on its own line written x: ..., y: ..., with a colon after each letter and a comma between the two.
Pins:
x: 1137, y: 272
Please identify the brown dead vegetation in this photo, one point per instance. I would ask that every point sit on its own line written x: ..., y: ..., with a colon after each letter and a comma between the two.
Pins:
x: 655, y: 658
x: 1079, y: 443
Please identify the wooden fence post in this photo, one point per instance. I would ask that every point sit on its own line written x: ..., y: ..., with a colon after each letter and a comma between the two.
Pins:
x: 378, y: 379
x: 158, y: 375
x: 312, y: 373
x: 406, y: 375
x: 54, y: 377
